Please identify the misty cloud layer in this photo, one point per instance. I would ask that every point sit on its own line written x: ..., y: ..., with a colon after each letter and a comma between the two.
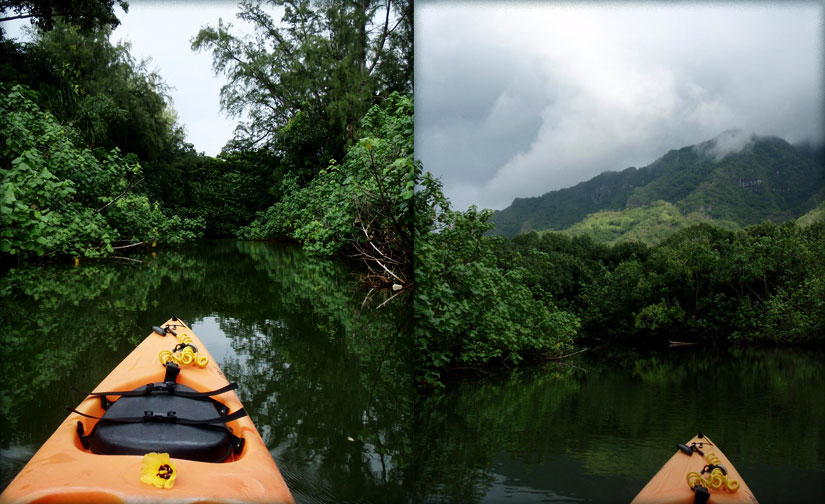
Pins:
x: 519, y: 101
x: 729, y: 142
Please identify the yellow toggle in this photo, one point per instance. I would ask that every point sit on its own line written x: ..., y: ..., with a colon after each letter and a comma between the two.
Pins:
x: 694, y: 479
x: 166, y: 356
x: 716, y: 480
x: 184, y: 356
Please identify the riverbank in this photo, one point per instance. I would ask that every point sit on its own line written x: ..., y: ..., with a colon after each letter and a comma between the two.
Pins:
x: 486, y: 301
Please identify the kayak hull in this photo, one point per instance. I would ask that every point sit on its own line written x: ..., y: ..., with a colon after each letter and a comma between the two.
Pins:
x: 669, y: 485
x: 63, y: 471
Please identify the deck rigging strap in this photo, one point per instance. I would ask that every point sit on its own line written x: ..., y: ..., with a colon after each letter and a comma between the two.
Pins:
x: 700, y: 495
x: 217, y: 423
x: 150, y: 416
x: 168, y: 387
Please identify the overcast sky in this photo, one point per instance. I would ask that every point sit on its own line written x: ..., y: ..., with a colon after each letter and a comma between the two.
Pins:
x: 162, y: 31
x: 516, y: 100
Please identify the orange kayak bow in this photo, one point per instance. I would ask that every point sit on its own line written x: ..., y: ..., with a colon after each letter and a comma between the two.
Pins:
x: 96, y: 458
x: 697, y: 463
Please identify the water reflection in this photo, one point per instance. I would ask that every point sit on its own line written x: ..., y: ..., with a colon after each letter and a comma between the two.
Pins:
x: 598, y: 429
x: 326, y: 380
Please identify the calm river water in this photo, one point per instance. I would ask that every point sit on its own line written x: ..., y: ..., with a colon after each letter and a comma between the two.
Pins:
x: 598, y: 427
x: 329, y: 385
x: 326, y: 381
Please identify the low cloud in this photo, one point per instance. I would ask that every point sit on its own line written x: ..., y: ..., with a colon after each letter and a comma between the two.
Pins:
x: 728, y: 142
x: 516, y: 101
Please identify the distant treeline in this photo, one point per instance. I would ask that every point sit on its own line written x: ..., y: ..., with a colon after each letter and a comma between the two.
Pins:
x: 492, y: 301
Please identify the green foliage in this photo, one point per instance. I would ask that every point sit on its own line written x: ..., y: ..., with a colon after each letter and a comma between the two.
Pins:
x: 329, y: 60
x: 227, y: 191
x: 366, y: 199
x: 107, y: 100
x: 60, y: 198
x: 74, y: 193
x: 85, y: 14
x: 815, y: 215
x: 649, y: 224
x: 768, y: 180
x: 308, y: 83
x: 469, y: 310
x: 760, y: 284
x: 98, y: 89
x: 319, y: 216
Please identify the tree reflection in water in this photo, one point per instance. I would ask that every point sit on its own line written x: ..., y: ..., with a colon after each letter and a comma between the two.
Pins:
x: 327, y: 381
x: 559, y: 433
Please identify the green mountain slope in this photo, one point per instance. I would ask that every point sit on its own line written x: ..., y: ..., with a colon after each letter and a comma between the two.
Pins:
x: 650, y: 224
x: 815, y: 215
x: 734, y: 177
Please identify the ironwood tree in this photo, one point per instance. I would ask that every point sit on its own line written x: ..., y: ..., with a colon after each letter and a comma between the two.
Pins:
x: 85, y: 14
x: 321, y: 67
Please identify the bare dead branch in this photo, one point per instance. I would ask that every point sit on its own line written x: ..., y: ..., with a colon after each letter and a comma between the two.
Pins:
x: 560, y: 357
x: 389, y: 299
x: 123, y: 193
x: 121, y: 247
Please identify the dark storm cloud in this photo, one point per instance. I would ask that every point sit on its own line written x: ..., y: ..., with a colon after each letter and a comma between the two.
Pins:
x: 518, y: 101
x: 496, y: 110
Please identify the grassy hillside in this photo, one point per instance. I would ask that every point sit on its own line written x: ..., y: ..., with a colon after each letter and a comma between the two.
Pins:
x: 815, y: 215
x: 743, y: 179
x: 649, y: 224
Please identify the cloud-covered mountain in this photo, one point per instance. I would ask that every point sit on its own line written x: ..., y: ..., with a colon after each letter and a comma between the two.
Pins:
x: 737, y: 176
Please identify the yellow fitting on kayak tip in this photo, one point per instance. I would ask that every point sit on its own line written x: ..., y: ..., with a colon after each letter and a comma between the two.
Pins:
x: 184, y: 356
x: 694, y: 479
x: 716, y: 479
x: 165, y: 356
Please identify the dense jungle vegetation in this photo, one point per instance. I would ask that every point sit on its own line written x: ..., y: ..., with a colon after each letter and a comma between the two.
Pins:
x: 491, y: 300
x: 95, y: 163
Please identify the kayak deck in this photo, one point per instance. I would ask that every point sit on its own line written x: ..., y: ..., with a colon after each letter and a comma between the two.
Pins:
x: 669, y: 485
x: 63, y: 471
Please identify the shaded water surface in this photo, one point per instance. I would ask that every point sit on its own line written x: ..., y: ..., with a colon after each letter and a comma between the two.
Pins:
x: 325, y: 380
x: 598, y: 428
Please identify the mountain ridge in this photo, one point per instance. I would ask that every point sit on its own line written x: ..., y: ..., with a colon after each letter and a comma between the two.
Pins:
x: 739, y: 177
